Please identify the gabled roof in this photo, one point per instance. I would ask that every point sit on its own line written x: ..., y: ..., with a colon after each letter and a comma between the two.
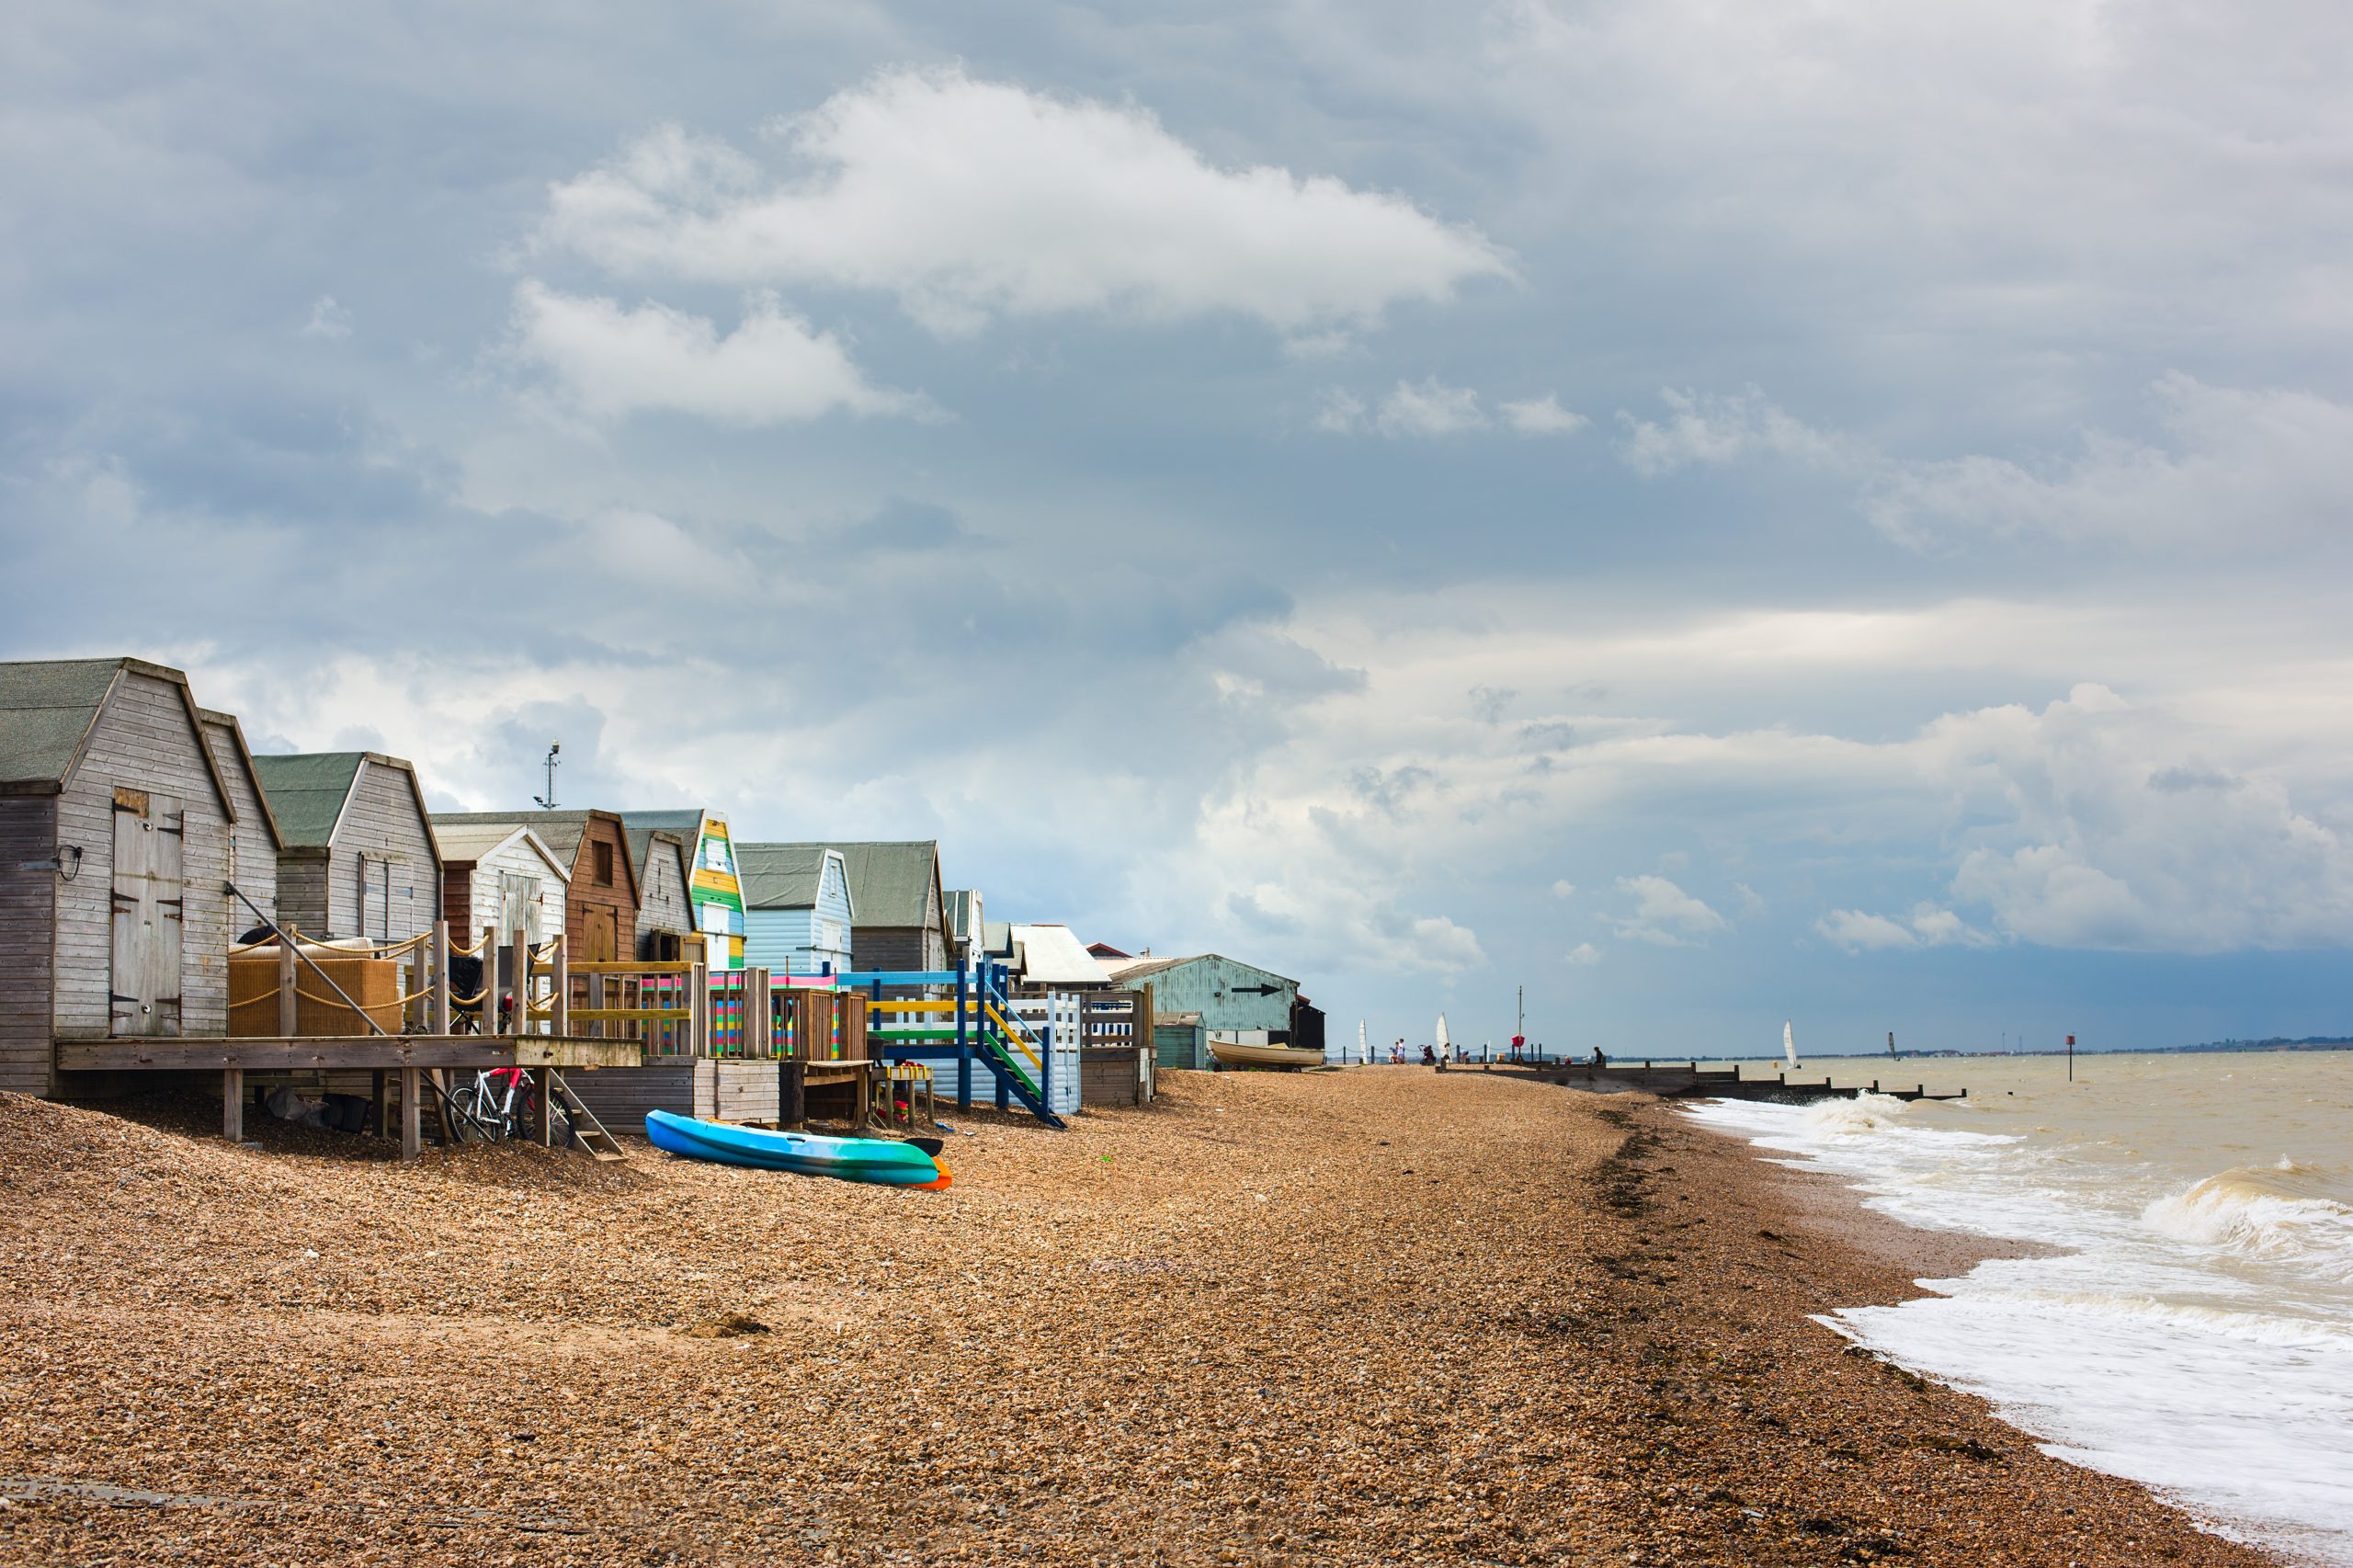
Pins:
x: 306, y: 791
x: 1051, y: 956
x: 1126, y: 970
x: 226, y: 727
x: 560, y: 831
x: 890, y: 883
x: 641, y: 841
x: 469, y: 844
x: 788, y: 876
x: 687, y: 823
x: 48, y: 708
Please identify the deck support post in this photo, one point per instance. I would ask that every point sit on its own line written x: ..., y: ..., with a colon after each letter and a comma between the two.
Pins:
x: 378, y: 1123
x: 441, y: 988
x: 286, y: 983
x: 792, y: 1093
x: 412, y: 1108
x: 559, y: 1005
x: 233, y: 1104
x: 543, y: 1106
x: 520, y: 960
x: 963, y: 1040
x: 490, y: 957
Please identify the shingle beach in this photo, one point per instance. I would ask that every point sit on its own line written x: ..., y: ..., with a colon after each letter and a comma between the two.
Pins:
x: 1384, y: 1315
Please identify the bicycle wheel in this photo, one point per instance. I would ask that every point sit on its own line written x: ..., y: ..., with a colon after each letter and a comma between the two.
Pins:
x: 473, y: 1115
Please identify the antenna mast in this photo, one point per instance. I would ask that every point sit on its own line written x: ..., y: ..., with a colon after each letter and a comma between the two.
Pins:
x: 546, y: 802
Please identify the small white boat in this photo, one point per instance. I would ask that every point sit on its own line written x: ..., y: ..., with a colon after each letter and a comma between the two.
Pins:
x: 1789, y: 1045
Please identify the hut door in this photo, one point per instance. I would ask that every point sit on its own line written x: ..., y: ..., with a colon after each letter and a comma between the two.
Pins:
x: 145, y: 990
x: 600, y: 937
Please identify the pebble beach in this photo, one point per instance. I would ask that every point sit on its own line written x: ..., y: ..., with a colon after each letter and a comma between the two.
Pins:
x: 1382, y: 1315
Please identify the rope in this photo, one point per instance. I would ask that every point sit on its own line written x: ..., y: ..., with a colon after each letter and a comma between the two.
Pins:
x: 481, y: 995
x: 546, y: 950
x: 479, y: 943
x: 337, y: 1003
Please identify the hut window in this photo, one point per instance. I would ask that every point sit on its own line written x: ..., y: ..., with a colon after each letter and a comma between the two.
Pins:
x: 603, y: 865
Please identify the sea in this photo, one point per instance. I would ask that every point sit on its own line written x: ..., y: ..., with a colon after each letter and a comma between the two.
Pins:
x: 2194, y: 1330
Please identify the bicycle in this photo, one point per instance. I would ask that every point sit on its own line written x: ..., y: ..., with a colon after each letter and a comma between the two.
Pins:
x: 503, y: 1102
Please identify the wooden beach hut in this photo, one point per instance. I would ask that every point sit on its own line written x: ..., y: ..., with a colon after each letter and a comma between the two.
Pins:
x: 966, y: 927
x: 116, y: 837
x: 900, y: 921
x: 359, y: 856
x: 255, y: 842
x: 495, y: 875
x: 712, y: 882
x: 1236, y: 1003
x: 600, y: 896
x: 666, y: 910
x: 798, y: 913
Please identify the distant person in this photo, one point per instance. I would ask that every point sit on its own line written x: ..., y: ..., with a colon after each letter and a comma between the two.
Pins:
x: 1599, y: 1059
x: 1430, y: 1057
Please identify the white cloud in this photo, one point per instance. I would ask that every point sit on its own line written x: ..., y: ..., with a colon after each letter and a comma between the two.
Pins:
x: 1582, y: 955
x: 1666, y: 915
x: 1342, y: 412
x: 1429, y: 409
x: 2234, y: 463
x: 970, y: 200
x: 772, y: 369
x: 1564, y: 888
x: 1928, y: 927
x: 1710, y: 430
x: 1542, y: 416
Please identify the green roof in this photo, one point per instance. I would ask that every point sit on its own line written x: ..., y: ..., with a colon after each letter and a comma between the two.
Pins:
x: 306, y: 791
x: 560, y: 831
x: 46, y: 707
x: 780, y: 876
x: 890, y: 884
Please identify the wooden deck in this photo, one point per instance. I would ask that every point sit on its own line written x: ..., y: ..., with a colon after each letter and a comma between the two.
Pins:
x: 338, y: 1052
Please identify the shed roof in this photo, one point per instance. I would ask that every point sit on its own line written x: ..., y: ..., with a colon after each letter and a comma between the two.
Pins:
x: 226, y: 724
x: 560, y: 831
x: 306, y: 791
x: 687, y: 823
x: 890, y: 883
x: 1051, y: 955
x: 1126, y: 970
x: 48, y: 708
x: 785, y: 876
x: 641, y: 841
x: 469, y: 844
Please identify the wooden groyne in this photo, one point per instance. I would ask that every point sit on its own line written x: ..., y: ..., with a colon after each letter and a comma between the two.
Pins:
x: 1690, y: 1081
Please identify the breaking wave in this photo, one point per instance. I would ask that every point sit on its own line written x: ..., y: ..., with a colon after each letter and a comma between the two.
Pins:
x: 2281, y: 1213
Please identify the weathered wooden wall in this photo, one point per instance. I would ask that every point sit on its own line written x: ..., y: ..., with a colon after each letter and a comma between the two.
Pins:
x: 485, y: 894
x: 620, y: 1096
x: 302, y: 890
x: 382, y: 822
x: 663, y: 903
x: 745, y: 1091
x: 253, y: 856
x: 145, y: 738
x: 27, y: 913
x: 592, y: 902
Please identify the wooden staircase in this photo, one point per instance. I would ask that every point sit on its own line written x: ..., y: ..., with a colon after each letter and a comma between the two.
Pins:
x: 602, y: 1146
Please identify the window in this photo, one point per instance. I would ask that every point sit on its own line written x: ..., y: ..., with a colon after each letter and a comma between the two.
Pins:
x: 603, y: 865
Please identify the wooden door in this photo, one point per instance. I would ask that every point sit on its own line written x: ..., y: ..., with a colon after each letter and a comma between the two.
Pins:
x: 144, y: 987
x: 600, y: 936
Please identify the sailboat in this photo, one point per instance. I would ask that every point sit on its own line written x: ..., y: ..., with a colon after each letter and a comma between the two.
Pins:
x: 1789, y: 1045
x: 1364, y: 1052
x: 1444, y: 1045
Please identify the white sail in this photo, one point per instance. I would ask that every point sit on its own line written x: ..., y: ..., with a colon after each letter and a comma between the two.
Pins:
x: 1443, y: 1044
x: 1788, y: 1043
x: 1364, y: 1052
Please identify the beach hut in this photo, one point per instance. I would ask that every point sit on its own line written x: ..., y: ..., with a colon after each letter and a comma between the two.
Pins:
x: 254, y: 840
x: 967, y: 928
x: 901, y: 919
x: 798, y: 913
x: 666, y: 911
x: 1048, y: 959
x: 712, y: 882
x: 359, y: 856
x: 116, y: 834
x: 493, y: 874
x: 600, y: 895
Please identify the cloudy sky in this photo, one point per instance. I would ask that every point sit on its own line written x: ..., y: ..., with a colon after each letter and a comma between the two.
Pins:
x: 1713, y: 513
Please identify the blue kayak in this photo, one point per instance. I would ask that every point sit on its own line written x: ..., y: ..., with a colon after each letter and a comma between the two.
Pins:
x: 884, y: 1162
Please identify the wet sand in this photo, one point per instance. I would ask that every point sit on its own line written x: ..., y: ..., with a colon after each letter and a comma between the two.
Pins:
x: 1378, y: 1316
